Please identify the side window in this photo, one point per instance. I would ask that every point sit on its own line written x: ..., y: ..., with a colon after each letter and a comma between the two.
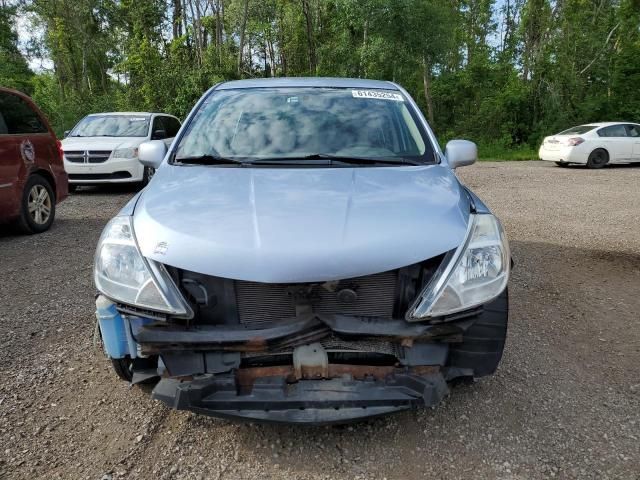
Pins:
x: 158, y: 124
x: 17, y: 116
x: 613, y: 131
x: 632, y: 130
x: 173, y: 125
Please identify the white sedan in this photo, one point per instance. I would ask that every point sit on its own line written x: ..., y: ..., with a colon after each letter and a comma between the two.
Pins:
x: 594, y: 145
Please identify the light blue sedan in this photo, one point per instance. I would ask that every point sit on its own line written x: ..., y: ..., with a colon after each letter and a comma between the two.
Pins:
x: 303, y: 254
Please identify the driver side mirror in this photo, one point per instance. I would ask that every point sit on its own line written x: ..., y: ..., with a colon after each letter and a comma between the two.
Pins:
x: 66, y: 133
x: 152, y: 153
x: 461, y: 153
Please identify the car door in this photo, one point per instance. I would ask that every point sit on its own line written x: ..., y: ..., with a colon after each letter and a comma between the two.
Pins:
x: 633, y: 131
x: 9, y: 160
x: 617, y: 142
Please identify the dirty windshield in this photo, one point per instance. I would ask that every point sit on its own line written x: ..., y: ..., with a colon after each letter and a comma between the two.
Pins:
x: 306, y: 123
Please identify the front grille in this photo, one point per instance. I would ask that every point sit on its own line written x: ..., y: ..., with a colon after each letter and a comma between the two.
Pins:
x: 100, y: 176
x: 87, y: 156
x: 261, y: 304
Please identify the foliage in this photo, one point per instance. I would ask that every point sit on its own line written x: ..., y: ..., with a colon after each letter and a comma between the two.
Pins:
x: 502, y: 72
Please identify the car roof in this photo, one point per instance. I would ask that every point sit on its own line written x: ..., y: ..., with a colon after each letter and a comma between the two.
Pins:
x: 128, y: 113
x: 326, y: 82
x: 605, y: 124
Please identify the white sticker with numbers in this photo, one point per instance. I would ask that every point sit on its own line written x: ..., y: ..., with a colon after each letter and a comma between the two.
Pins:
x: 377, y: 94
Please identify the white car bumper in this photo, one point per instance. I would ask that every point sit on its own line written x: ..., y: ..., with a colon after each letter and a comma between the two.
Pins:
x: 562, y: 153
x: 113, y: 170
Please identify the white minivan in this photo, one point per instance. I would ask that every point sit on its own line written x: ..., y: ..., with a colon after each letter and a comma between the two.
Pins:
x: 103, y: 147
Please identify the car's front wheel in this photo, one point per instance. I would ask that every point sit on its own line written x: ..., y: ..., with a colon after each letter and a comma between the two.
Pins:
x: 483, y: 342
x: 38, y: 205
x: 598, y: 158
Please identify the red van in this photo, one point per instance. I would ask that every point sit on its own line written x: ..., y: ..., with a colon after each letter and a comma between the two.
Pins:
x: 32, y: 176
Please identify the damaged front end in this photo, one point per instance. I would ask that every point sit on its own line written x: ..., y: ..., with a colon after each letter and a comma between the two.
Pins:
x: 314, y: 353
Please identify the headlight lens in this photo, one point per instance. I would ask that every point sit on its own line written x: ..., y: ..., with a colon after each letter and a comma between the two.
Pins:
x: 122, y: 274
x: 125, y: 153
x: 479, y: 272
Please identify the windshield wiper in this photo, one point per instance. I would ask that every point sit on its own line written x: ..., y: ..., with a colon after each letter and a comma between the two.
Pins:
x: 357, y: 160
x: 209, y: 160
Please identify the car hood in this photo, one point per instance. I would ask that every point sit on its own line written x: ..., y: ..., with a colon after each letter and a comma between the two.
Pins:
x: 285, y: 225
x: 100, y: 143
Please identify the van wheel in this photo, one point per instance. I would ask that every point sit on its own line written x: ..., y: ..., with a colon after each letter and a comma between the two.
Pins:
x: 38, y: 207
x: 598, y: 158
x: 147, y: 176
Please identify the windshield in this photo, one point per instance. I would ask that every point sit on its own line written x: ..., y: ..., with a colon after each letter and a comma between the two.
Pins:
x: 296, y: 123
x: 578, y: 130
x: 112, y: 126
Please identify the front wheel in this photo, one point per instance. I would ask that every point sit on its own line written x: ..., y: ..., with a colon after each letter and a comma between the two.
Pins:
x: 598, y: 158
x: 147, y: 176
x: 483, y: 342
x: 38, y: 206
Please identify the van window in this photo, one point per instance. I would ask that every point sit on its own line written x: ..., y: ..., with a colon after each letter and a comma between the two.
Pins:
x: 17, y: 116
x: 172, y: 125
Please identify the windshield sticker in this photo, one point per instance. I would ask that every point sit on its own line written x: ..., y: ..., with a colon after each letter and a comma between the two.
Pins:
x: 138, y: 119
x: 377, y: 94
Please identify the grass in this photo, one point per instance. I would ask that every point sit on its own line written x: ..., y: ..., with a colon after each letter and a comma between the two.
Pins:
x: 499, y: 153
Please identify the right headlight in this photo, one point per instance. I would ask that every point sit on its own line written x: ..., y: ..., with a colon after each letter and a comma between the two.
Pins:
x: 122, y: 274
x: 477, y: 273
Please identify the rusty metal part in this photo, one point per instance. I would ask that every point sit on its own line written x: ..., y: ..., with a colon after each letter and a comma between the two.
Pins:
x: 245, y: 377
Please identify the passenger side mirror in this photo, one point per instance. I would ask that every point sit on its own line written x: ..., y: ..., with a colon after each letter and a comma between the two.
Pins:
x: 159, y: 135
x: 461, y: 153
x: 66, y: 133
x: 152, y: 153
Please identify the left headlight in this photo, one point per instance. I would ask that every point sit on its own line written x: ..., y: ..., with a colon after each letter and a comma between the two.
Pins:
x: 477, y: 273
x: 125, y: 153
x: 122, y: 274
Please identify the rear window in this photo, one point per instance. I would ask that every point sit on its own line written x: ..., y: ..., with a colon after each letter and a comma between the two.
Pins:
x: 578, y: 130
x: 17, y: 117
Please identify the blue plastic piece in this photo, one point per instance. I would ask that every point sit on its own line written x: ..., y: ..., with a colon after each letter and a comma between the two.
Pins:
x: 113, y: 329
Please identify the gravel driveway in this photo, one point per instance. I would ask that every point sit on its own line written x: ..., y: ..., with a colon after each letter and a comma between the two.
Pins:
x: 565, y: 402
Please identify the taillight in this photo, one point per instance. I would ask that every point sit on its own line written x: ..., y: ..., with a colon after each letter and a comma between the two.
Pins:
x: 575, y: 141
x: 60, y: 151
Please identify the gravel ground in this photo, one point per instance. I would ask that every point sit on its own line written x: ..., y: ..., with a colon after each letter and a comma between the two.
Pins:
x: 565, y: 402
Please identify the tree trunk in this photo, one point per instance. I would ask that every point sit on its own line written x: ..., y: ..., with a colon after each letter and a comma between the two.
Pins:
x: 426, y: 81
x: 243, y: 27
x: 177, y: 15
x: 310, y: 43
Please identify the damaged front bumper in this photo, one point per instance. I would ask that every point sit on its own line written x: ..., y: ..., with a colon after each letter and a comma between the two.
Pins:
x: 298, y: 378
x: 272, y: 394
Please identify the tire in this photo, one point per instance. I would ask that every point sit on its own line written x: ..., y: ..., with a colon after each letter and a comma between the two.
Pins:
x: 123, y: 368
x: 147, y: 176
x: 562, y: 164
x: 37, y: 206
x: 598, y: 158
x: 483, y: 342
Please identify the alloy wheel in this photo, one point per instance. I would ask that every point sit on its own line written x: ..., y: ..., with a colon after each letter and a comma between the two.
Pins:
x: 39, y: 204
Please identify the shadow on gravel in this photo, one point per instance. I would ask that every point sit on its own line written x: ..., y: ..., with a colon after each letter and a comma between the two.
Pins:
x: 115, y: 189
